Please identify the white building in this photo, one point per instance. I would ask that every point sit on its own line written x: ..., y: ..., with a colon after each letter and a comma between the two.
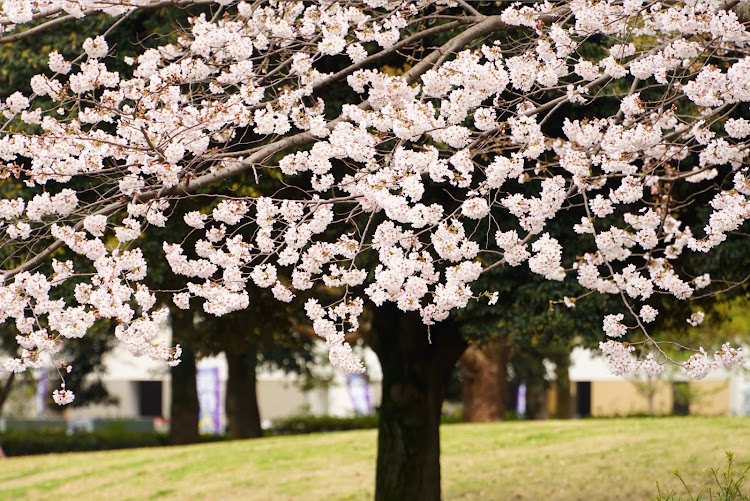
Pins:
x: 597, y: 392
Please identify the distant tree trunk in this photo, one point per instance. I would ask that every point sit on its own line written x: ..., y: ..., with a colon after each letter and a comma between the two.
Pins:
x: 484, y: 382
x: 415, y: 372
x: 5, y: 391
x: 243, y: 416
x: 564, y: 401
x: 185, y: 411
x: 536, y: 400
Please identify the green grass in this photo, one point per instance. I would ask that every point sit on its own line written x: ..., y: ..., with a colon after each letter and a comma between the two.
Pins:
x: 612, y: 459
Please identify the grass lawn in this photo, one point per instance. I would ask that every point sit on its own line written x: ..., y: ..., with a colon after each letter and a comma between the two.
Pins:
x: 553, y: 460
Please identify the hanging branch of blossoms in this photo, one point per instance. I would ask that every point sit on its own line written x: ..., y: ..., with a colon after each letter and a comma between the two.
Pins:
x: 390, y: 197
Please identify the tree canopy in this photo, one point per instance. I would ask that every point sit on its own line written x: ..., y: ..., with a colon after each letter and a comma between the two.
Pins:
x: 604, y: 140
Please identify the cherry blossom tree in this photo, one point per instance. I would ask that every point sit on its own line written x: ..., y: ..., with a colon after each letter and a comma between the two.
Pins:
x: 399, y: 188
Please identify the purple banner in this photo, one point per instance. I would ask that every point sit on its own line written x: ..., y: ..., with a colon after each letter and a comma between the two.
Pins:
x: 359, y: 393
x: 209, y: 398
x: 42, y: 393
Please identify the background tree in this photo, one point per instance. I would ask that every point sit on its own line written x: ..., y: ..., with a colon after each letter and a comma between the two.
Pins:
x: 259, y: 336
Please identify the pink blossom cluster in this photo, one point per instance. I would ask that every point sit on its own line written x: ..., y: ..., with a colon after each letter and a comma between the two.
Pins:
x: 699, y: 365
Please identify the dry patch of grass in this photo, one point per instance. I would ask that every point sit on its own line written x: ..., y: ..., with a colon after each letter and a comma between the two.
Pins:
x: 617, y: 459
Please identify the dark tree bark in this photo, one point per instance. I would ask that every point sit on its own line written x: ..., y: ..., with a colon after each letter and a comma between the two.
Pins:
x: 5, y: 390
x: 243, y: 416
x: 415, y: 372
x: 564, y: 400
x: 484, y: 382
x: 185, y: 411
x: 536, y: 400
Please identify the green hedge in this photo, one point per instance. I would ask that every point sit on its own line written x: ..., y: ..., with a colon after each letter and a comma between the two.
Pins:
x: 28, y: 442
x: 21, y: 443
x: 316, y: 424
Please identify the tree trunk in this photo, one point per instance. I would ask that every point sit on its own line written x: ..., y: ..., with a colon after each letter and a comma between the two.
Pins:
x: 5, y: 391
x: 564, y: 400
x: 243, y: 416
x: 536, y: 400
x: 185, y: 411
x: 484, y: 382
x: 415, y: 372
